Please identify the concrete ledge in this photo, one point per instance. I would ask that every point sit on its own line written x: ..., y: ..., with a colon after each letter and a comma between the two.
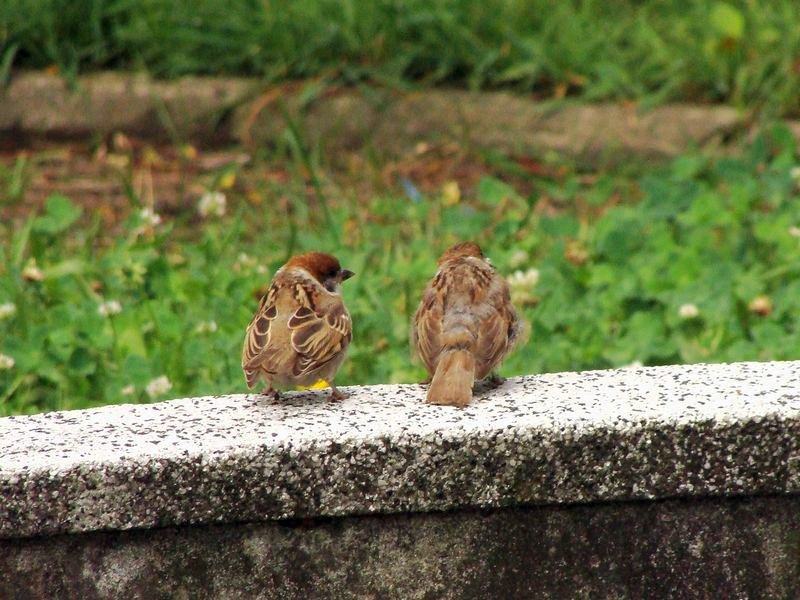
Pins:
x: 662, y: 432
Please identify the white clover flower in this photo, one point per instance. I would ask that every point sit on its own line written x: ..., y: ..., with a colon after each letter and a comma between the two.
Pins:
x: 32, y: 272
x: 688, y: 311
x: 150, y: 217
x: 212, y: 203
x: 128, y: 390
x: 517, y: 259
x: 206, y: 327
x: 794, y: 231
x: 521, y: 284
x: 109, y: 307
x: 7, y: 309
x: 524, y: 279
x: 637, y: 364
x: 6, y: 362
x: 158, y: 386
x: 244, y: 262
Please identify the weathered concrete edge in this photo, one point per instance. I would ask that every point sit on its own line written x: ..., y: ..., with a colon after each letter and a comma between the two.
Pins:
x: 229, y: 490
x: 38, y: 104
x: 491, y: 457
x: 218, y: 110
x: 708, y: 548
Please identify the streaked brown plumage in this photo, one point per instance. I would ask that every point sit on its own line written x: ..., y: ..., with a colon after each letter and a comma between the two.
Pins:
x: 301, y: 330
x: 465, y: 324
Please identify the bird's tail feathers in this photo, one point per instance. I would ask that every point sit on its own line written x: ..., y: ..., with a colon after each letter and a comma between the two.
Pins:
x: 452, y: 382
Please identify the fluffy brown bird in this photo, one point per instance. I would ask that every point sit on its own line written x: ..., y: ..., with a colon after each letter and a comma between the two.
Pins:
x: 301, y: 330
x: 465, y: 324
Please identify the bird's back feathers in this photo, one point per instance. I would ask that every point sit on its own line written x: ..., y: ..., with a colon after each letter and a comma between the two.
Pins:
x: 464, y: 326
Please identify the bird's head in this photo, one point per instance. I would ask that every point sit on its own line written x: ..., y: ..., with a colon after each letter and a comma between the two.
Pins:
x: 323, y: 267
x: 462, y: 250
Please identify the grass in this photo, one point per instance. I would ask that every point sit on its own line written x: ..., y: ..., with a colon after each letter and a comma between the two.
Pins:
x: 694, y: 262
x: 745, y: 52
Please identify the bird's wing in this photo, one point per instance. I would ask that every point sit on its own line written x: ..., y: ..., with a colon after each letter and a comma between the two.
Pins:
x: 496, y: 331
x: 426, y: 332
x: 257, y: 338
x: 320, y: 330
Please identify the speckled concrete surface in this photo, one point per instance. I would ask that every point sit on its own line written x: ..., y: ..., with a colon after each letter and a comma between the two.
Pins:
x: 561, y: 438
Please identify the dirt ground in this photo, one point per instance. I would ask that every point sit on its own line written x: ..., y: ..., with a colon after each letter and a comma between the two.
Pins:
x: 113, y: 176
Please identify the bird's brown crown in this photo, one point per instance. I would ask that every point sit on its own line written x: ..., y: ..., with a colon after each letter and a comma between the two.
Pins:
x: 321, y: 266
x: 461, y: 250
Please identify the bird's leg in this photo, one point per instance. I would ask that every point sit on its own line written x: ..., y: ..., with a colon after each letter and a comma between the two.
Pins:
x: 494, y: 380
x: 335, y: 393
x: 271, y: 392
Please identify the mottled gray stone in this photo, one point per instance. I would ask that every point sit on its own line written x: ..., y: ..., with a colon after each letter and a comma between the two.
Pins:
x: 388, y: 123
x: 392, y: 123
x: 678, y: 431
x: 714, y: 549
x: 39, y: 104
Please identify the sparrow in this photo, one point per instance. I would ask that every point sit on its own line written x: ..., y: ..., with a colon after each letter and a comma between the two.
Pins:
x: 301, y: 330
x: 465, y: 324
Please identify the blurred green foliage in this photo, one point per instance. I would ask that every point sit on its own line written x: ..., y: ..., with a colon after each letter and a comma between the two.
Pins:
x: 699, y: 263
x: 746, y: 52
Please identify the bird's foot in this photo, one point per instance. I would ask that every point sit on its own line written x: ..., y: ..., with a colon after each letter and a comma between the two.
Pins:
x: 494, y: 380
x: 271, y: 392
x: 336, y: 395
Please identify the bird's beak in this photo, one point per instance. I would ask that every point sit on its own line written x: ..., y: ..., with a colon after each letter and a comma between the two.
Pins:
x: 346, y: 274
